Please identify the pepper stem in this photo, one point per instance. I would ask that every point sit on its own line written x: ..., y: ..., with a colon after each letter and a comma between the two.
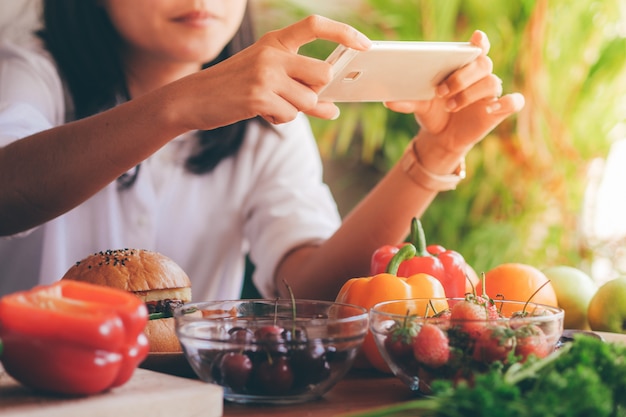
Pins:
x: 418, y: 237
x: 406, y: 252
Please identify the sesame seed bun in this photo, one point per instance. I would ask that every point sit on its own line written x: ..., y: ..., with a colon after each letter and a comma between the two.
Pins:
x: 151, y: 276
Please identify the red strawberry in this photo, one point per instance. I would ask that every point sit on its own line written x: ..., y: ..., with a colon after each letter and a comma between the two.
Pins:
x: 443, y: 314
x: 492, y: 310
x: 431, y: 346
x: 494, y: 344
x: 531, y: 340
x: 469, y: 316
x: 399, y: 339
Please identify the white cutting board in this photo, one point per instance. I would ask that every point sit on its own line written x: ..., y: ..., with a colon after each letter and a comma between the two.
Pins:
x: 147, y: 393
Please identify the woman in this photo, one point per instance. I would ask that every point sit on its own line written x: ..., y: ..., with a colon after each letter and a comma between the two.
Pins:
x: 126, y: 141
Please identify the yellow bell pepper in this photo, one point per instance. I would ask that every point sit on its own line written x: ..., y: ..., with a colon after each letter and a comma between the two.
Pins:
x: 368, y: 291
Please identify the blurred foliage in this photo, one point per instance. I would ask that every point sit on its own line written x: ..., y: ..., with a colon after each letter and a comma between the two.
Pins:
x: 527, y: 179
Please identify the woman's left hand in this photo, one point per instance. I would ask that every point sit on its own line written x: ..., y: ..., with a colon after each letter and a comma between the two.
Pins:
x: 468, y: 105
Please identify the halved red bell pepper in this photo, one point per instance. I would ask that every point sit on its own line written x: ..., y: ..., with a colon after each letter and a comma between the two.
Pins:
x: 72, y: 337
x: 447, y: 266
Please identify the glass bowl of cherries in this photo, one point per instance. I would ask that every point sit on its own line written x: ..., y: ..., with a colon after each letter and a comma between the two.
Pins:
x: 423, y: 340
x: 271, y: 351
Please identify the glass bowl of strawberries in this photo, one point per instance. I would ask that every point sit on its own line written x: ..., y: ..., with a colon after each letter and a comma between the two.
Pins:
x: 423, y: 340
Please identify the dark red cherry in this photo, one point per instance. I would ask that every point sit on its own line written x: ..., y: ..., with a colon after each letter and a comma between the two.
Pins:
x: 274, y: 376
x: 268, y: 333
x: 235, y: 369
x: 309, y: 364
x: 271, y: 339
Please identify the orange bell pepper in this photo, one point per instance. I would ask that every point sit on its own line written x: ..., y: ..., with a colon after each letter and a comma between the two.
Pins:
x: 368, y: 291
x: 72, y: 337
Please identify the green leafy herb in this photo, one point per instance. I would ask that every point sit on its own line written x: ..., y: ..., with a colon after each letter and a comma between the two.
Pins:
x: 586, y: 377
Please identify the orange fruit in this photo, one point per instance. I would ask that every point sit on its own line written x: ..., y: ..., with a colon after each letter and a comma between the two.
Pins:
x: 518, y: 282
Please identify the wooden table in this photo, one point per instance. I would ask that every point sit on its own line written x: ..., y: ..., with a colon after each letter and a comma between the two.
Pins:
x: 358, y: 391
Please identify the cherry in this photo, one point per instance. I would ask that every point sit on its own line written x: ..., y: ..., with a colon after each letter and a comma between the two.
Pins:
x: 270, y: 337
x: 235, y: 369
x: 274, y: 376
x: 309, y: 364
x: 276, y: 360
x: 268, y: 333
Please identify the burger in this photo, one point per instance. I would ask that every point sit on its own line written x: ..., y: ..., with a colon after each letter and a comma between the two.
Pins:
x: 156, y: 279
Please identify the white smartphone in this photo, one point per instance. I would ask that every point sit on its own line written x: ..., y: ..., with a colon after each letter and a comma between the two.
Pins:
x: 394, y: 70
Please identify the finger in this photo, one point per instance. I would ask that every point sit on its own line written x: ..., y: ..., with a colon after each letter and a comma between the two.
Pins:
x: 487, y: 88
x: 309, y: 71
x: 480, y: 39
x: 298, y: 95
x: 506, y: 105
x: 294, y: 96
x: 318, y: 27
x: 465, y: 76
x: 324, y: 110
x: 496, y: 110
x: 279, y: 111
x: 471, y: 72
x: 283, y: 111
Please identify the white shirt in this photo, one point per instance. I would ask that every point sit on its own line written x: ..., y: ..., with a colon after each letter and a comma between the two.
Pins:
x: 266, y: 200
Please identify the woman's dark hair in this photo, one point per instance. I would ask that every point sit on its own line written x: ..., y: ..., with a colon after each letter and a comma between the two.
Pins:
x: 87, y: 50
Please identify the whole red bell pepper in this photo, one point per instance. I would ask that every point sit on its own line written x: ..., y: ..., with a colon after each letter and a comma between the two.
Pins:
x: 72, y: 337
x: 447, y: 266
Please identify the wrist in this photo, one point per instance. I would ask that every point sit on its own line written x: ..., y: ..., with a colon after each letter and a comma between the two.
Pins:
x: 436, y: 155
x: 450, y: 169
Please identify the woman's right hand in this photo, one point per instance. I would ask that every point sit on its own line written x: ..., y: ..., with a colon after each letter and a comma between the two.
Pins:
x: 268, y: 79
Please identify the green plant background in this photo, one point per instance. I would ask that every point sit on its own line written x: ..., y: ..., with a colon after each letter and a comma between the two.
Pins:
x: 524, y: 196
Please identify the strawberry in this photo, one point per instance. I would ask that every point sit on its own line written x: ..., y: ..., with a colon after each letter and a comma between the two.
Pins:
x: 443, y: 314
x: 431, y: 346
x: 531, y: 340
x: 494, y: 344
x: 470, y: 315
x: 492, y: 310
x: 399, y: 339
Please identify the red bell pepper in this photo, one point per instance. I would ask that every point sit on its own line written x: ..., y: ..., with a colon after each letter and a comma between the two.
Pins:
x: 447, y: 266
x: 72, y: 337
